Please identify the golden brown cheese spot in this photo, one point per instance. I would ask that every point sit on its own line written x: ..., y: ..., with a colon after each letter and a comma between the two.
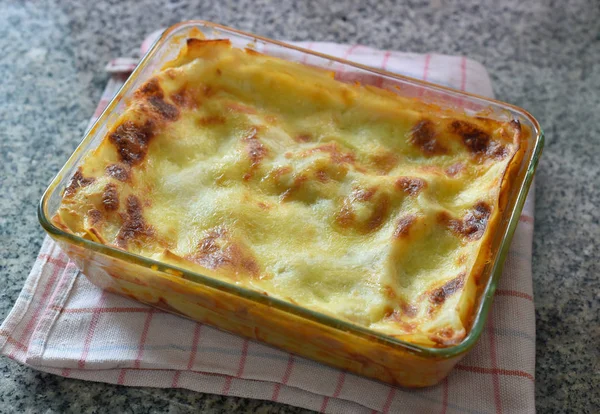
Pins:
x: 472, y: 226
x: 134, y: 225
x: 400, y: 314
x: 132, y: 141
x: 187, y: 97
x: 403, y: 226
x: 181, y: 98
x: 477, y: 140
x: 364, y: 194
x: 255, y: 149
x: 409, y: 327
x: 446, y: 333
x: 382, y: 206
x: 217, y: 250
x: 119, y: 171
x: 154, y: 95
x: 78, y: 180
x: 337, y: 156
x: 410, y: 185
x: 209, y: 252
x: 384, y: 162
x: 475, y: 221
x: 211, y: 120
x: 95, y: 216
x: 409, y: 310
x: 389, y: 292
x: 424, y: 136
x: 404, y: 310
x: 498, y: 152
x: 439, y: 295
x: 474, y: 138
x: 150, y: 88
x: 379, y: 208
x: 345, y: 217
x: 165, y: 110
x: 446, y: 336
x: 110, y: 197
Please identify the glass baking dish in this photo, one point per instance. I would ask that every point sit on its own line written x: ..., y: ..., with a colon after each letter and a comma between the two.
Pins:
x: 251, y: 314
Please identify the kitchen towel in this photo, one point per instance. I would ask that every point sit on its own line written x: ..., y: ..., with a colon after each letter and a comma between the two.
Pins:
x: 64, y: 325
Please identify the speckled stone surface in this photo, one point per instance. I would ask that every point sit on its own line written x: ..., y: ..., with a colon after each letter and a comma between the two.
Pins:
x: 541, y: 54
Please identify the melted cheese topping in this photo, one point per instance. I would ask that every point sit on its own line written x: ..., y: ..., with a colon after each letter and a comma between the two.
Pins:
x: 342, y: 198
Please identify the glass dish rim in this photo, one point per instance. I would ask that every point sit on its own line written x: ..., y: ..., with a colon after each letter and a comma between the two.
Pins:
x: 485, y: 296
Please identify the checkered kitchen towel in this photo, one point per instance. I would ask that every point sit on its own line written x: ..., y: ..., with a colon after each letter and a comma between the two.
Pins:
x: 63, y: 324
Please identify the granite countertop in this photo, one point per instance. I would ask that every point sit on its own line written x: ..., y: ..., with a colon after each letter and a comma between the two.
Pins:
x: 541, y: 56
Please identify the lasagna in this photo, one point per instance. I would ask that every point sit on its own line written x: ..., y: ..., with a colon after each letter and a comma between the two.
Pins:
x: 342, y: 198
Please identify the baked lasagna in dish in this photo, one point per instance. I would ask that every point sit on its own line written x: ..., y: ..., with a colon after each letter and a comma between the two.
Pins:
x: 343, y: 198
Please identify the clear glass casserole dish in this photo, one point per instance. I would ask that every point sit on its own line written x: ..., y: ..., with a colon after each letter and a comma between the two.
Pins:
x: 252, y: 314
